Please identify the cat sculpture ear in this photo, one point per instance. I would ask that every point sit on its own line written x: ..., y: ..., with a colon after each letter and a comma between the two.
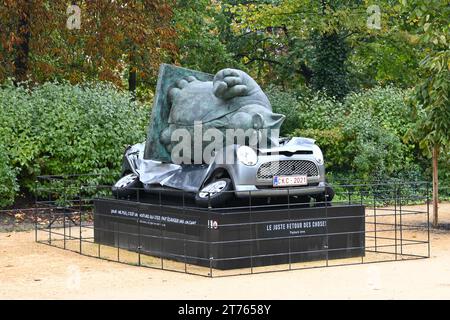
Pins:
x: 178, y: 86
x: 258, y: 121
x: 266, y: 120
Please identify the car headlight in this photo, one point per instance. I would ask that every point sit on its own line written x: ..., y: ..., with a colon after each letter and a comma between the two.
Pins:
x: 318, y: 154
x: 247, y: 155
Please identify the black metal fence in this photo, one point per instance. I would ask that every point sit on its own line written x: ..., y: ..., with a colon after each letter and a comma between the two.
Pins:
x: 395, y: 227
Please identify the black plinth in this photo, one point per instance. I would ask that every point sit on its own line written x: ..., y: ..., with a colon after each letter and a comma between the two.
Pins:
x: 226, y: 238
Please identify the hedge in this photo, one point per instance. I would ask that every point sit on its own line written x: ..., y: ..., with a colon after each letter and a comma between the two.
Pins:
x: 63, y: 129
x: 361, y: 135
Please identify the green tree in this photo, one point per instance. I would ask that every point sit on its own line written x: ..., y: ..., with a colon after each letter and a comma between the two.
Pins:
x: 306, y: 40
x: 431, y: 107
x: 200, y: 43
x: 333, y: 46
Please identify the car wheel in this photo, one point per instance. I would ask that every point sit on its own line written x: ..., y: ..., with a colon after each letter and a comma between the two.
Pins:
x: 126, y: 185
x: 215, y: 193
x: 329, y: 194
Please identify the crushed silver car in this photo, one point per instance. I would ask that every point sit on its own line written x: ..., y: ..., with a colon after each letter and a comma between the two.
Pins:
x: 294, y: 167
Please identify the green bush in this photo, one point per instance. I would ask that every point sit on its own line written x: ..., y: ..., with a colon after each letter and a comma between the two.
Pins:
x: 8, y: 180
x: 371, y: 151
x: 63, y: 129
x: 361, y: 136
x: 305, y: 110
x: 444, y: 175
x: 387, y: 107
x: 285, y: 102
x: 331, y: 141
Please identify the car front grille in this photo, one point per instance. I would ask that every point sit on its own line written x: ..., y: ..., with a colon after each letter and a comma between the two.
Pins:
x: 287, y: 168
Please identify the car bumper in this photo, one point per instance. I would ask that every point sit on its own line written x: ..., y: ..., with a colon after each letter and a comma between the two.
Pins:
x: 246, y: 181
x: 243, y: 191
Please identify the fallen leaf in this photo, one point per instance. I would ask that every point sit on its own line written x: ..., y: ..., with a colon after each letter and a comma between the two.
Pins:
x: 19, y: 216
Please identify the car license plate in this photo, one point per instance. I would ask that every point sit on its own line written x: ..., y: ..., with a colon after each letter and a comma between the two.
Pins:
x: 286, y: 181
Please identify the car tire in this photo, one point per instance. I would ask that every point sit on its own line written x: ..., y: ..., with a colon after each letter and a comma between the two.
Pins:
x: 329, y: 194
x: 215, y: 193
x: 126, y: 186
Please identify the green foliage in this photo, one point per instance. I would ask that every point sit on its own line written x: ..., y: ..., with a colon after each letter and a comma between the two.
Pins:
x: 390, y: 58
x: 360, y: 136
x: 428, y: 20
x: 329, y: 65
x: 199, y: 24
x: 430, y: 103
x: 444, y: 175
x: 8, y: 181
x: 285, y: 102
x: 309, y: 41
x: 61, y: 129
x: 387, y: 105
x: 312, y: 110
x: 332, y: 143
x: 373, y: 152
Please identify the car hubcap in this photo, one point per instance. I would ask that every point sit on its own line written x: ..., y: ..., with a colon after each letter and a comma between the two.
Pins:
x: 126, y: 180
x: 212, y: 189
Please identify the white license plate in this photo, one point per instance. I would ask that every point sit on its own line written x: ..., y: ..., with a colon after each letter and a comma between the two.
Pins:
x: 286, y: 181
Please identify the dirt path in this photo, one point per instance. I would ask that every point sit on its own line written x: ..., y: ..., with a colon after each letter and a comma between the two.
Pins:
x: 30, y: 270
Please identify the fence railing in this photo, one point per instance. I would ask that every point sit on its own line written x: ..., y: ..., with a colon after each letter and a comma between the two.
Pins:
x: 395, y: 227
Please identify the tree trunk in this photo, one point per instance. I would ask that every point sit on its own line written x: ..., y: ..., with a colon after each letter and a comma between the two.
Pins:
x: 435, y: 186
x: 23, y: 47
x: 132, y: 81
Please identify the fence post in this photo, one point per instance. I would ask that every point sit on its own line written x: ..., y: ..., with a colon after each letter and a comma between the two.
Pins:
x: 361, y: 196
x: 428, y: 216
x: 64, y: 213
x: 400, y: 217
x: 375, y: 216
x: 139, y: 238
x: 326, y: 219
x: 209, y: 228
x: 117, y: 227
x: 81, y: 216
x: 184, y: 233
x: 35, y: 212
x: 251, y: 231
x: 289, y: 221
x: 161, y: 231
x: 395, y: 218
x: 50, y: 199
